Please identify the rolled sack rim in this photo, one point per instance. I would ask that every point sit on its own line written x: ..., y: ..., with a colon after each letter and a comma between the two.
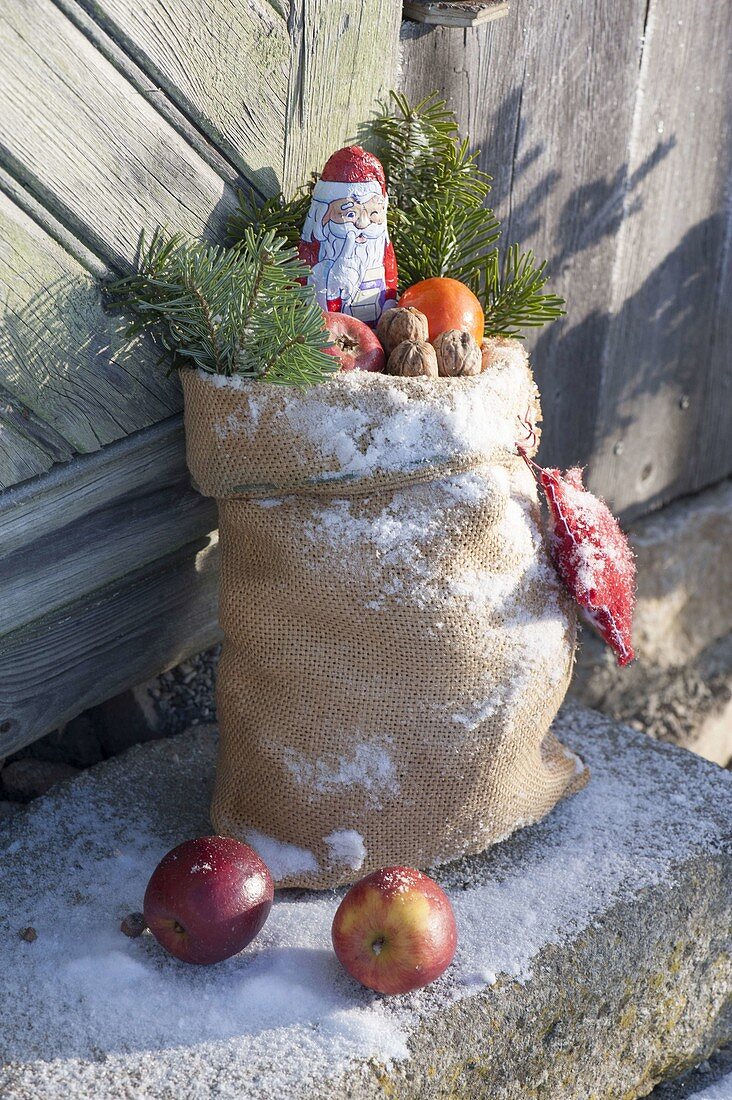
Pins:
x: 243, y: 441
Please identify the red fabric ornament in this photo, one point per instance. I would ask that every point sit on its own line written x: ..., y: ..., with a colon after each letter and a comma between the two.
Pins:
x: 591, y: 555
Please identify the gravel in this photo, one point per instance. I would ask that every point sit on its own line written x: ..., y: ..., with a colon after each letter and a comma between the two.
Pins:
x: 184, y: 696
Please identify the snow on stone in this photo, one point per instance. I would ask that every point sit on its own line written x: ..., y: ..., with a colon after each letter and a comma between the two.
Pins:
x: 83, y: 1007
x: 346, y: 848
x: 282, y: 859
x: 720, y: 1090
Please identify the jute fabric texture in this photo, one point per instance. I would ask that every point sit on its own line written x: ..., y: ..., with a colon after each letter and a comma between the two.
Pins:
x: 397, y: 642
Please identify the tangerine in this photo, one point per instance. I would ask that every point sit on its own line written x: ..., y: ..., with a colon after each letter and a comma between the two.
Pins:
x: 447, y: 304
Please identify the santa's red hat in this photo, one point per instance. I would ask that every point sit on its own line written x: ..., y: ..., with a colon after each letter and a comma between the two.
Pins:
x: 350, y: 171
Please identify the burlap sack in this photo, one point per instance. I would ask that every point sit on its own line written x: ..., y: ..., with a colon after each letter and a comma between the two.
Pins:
x: 396, y: 640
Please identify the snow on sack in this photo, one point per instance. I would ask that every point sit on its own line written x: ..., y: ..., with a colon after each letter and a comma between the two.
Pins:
x: 593, y: 557
x: 396, y: 639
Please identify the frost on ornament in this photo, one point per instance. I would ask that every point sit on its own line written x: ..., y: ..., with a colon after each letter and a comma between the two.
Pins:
x: 345, y: 239
x: 592, y: 556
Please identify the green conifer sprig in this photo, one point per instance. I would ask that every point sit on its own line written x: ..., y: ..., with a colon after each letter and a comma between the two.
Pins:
x: 441, y: 237
x: 511, y: 291
x: 282, y: 216
x: 229, y: 311
x: 423, y: 155
x: 438, y: 217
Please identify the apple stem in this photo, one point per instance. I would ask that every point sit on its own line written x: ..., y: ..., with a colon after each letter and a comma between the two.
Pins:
x: 178, y: 928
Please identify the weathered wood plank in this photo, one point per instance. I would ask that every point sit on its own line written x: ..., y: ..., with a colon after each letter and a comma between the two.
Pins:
x: 95, y: 520
x: 666, y: 410
x: 224, y: 63
x: 68, y: 376
x: 89, y: 146
x: 20, y: 457
x: 549, y: 101
x: 344, y: 59
x: 118, y: 636
x: 454, y: 13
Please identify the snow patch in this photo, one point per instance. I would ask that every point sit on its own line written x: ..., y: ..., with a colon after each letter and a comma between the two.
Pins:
x: 282, y: 859
x: 367, y: 765
x: 282, y: 1016
x: 346, y: 848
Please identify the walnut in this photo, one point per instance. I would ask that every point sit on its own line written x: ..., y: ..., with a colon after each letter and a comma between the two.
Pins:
x: 413, y: 358
x: 457, y: 353
x: 401, y: 323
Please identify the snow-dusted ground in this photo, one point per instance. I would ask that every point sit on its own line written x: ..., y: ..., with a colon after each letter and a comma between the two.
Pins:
x: 83, y: 1009
x: 720, y: 1090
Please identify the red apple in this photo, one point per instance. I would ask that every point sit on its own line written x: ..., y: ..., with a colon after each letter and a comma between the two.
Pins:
x: 395, y: 930
x: 208, y: 898
x: 355, y: 346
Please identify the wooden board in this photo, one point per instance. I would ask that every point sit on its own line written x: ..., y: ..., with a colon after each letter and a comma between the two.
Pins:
x: 345, y: 59
x: 20, y: 457
x: 95, y: 520
x: 665, y: 409
x: 89, y: 146
x: 598, y: 173
x: 117, y: 636
x: 454, y: 13
x: 549, y: 101
x: 70, y: 380
x: 226, y: 64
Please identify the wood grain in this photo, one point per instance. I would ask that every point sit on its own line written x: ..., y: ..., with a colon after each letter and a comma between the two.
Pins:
x: 95, y: 520
x: 454, y: 13
x: 89, y: 146
x: 20, y: 457
x: 608, y: 134
x: 224, y: 63
x: 117, y: 636
x: 344, y: 60
x: 548, y: 96
x: 665, y: 410
x: 69, y: 380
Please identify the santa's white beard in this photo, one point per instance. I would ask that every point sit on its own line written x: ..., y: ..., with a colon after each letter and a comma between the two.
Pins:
x: 352, y: 260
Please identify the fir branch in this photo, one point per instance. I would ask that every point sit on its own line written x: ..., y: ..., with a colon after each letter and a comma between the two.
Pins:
x: 440, y: 224
x: 443, y: 237
x: 278, y: 215
x: 241, y: 310
x: 512, y: 293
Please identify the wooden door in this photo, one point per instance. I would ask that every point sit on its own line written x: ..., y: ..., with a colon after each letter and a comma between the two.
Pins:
x: 117, y: 115
x: 607, y: 127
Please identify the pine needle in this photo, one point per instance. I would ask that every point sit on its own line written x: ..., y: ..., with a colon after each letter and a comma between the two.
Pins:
x: 230, y: 311
x: 281, y: 216
x: 512, y: 294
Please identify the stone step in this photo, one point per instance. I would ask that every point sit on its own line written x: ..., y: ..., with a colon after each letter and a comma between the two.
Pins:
x: 593, y: 961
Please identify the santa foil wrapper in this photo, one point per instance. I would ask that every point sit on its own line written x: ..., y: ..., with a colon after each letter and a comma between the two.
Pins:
x: 345, y: 239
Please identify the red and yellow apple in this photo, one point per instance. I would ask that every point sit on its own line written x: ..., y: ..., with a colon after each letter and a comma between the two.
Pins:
x: 395, y: 930
x: 355, y: 346
x: 208, y: 898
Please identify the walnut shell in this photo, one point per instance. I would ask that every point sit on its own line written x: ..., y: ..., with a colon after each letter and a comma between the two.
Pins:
x: 457, y: 354
x: 413, y: 358
x: 401, y: 323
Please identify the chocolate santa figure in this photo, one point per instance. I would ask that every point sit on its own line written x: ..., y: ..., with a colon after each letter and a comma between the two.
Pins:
x: 345, y: 239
